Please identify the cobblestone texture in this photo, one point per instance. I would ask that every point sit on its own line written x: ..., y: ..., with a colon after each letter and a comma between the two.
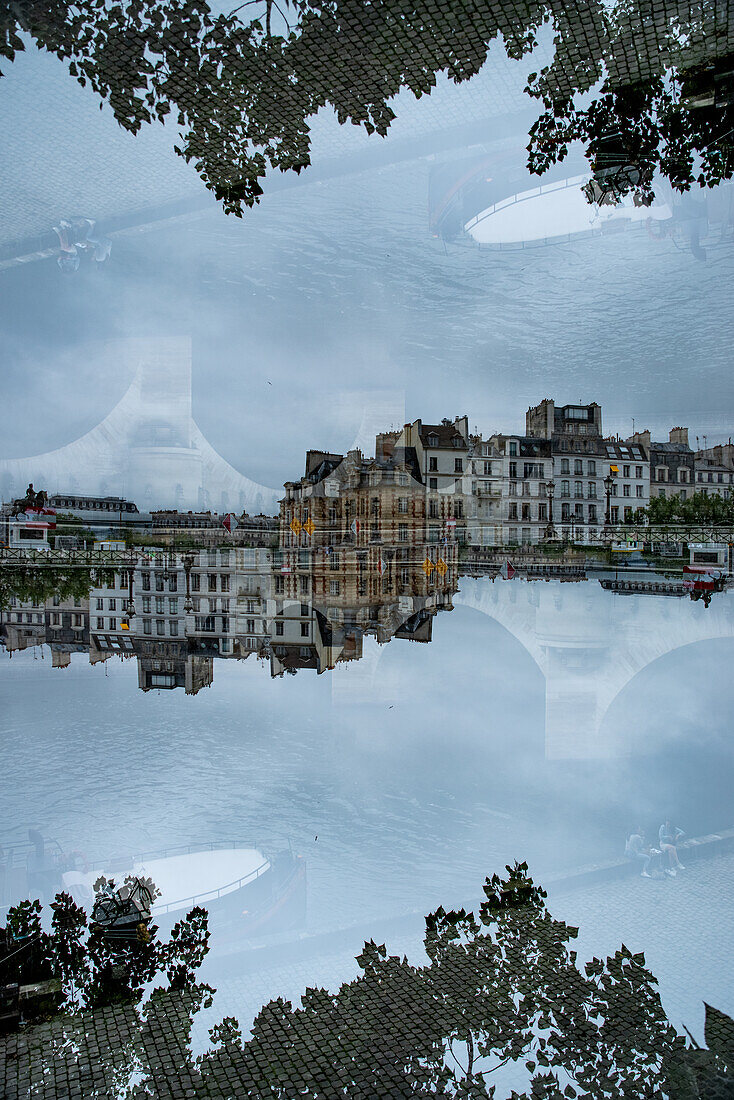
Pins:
x: 685, y: 927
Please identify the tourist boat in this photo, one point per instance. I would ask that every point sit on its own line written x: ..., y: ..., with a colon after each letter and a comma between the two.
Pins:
x: 247, y: 893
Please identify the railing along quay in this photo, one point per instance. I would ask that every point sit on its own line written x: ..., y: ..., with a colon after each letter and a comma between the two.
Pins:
x: 77, y: 559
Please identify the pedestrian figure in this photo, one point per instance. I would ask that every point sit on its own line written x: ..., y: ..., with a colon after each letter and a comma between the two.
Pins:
x: 669, y: 836
x: 640, y: 853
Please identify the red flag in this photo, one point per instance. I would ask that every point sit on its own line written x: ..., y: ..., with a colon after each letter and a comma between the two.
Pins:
x: 507, y: 571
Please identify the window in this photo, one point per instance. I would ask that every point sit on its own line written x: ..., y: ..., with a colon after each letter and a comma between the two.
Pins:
x: 433, y: 484
x: 303, y: 587
x: 159, y: 583
x: 513, y: 469
x: 565, y: 467
x: 614, y: 513
x: 159, y: 605
x: 525, y: 511
x: 638, y: 471
x: 578, y: 466
x: 592, y: 490
x: 513, y: 488
x: 173, y: 628
x: 304, y: 611
x: 513, y: 449
x: 173, y: 583
x: 100, y: 624
x: 459, y: 509
x: 488, y: 469
x: 433, y: 464
x: 625, y: 471
x: 682, y: 494
x: 578, y: 488
x: 212, y: 582
x: 433, y: 509
x: 112, y: 624
x: 76, y: 620
x: 533, y: 469
x: 196, y: 582
x: 627, y: 514
x: 402, y: 532
x: 173, y: 606
x: 592, y: 513
x: 565, y: 488
x: 334, y: 561
x: 334, y: 588
x: 279, y: 585
x: 160, y: 626
x: 146, y: 605
x: 592, y: 467
x: 542, y: 511
x: 565, y: 510
x: 224, y: 582
x: 625, y: 490
x: 279, y: 630
x: 661, y: 494
x: 145, y: 581
x: 512, y: 514
x: 638, y: 490
x: 146, y: 626
x: 111, y: 605
x: 402, y: 504
x: 433, y: 441
x: 458, y: 465
x: 304, y: 628
x: 100, y: 604
x: 225, y: 624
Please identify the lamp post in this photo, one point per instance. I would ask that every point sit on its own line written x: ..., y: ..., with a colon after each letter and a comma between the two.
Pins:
x: 550, y: 531
x: 129, y: 610
x: 188, y: 562
x: 608, y: 482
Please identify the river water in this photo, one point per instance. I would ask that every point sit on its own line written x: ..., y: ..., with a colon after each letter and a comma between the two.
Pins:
x: 540, y: 723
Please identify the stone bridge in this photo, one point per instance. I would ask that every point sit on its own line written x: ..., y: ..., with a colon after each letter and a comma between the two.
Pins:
x: 590, y: 644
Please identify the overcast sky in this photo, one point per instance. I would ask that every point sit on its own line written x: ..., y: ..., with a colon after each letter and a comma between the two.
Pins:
x: 334, y: 296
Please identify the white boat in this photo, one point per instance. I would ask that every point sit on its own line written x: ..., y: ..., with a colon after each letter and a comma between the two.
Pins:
x: 240, y: 886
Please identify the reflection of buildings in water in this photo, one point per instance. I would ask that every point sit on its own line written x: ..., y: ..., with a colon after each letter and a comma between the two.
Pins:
x: 590, y: 645
x: 313, y: 611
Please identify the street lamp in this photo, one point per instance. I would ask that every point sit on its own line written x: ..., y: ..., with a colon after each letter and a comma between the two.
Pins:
x: 129, y: 609
x: 550, y: 531
x: 608, y: 482
x: 188, y: 562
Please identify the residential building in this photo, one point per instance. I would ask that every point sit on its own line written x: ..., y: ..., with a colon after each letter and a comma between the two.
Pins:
x: 439, y: 456
x: 629, y: 467
x: 714, y: 470
x: 671, y: 463
x: 578, y: 465
x: 524, y: 466
x: 483, y: 505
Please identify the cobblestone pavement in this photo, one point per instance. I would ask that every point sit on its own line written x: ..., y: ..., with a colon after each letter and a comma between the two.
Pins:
x: 684, y: 926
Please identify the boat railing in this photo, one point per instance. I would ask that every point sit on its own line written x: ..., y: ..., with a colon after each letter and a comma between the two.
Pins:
x: 212, y: 895
x: 125, y: 863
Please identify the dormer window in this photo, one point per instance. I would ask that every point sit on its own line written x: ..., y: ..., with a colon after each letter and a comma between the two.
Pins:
x: 433, y: 441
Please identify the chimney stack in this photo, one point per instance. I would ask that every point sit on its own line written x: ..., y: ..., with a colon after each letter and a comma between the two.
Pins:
x: 679, y: 435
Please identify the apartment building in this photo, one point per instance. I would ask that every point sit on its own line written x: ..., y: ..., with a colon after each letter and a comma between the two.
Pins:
x: 628, y: 466
x: 524, y: 466
x: 671, y: 464
x: 714, y: 470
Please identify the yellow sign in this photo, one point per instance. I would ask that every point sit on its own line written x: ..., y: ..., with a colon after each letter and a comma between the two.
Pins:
x: 441, y: 567
x: 308, y: 527
x: 614, y: 469
x: 296, y: 526
x: 428, y: 567
x: 124, y: 626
